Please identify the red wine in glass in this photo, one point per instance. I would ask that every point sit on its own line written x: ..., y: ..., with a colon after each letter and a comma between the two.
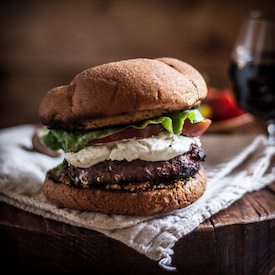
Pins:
x: 252, y: 68
x: 254, y: 87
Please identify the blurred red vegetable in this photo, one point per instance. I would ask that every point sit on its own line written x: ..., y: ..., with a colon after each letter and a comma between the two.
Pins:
x: 220, y: 105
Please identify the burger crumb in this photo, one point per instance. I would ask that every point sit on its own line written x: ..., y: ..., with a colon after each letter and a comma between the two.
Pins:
x: 135, y: 187
x: 114, y: 186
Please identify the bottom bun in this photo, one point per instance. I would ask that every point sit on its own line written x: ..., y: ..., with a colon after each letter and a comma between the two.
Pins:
x: 181, y: 194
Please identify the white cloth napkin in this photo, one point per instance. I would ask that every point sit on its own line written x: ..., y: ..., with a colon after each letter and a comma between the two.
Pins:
x: 235, y: 165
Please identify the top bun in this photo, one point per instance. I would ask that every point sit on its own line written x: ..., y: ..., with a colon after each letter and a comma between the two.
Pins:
x: 123, y: 92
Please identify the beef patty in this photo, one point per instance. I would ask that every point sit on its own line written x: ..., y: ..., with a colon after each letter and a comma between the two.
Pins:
x: 119, y: 174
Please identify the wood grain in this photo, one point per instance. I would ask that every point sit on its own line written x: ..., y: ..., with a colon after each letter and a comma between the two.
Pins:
x: 45, y: 43
x: 238, y: 240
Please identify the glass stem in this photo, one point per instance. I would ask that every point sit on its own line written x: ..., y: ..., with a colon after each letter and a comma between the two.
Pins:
x: 271, y: 132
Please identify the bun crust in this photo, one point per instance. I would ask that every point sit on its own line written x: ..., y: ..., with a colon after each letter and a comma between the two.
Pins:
x: 127, y: 203
x: 123, y: 92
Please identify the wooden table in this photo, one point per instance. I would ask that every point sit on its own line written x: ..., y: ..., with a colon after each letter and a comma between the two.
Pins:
x: 238, y: 240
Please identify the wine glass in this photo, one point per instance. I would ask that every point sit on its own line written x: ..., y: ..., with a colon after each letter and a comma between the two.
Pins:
x: 252, y: 69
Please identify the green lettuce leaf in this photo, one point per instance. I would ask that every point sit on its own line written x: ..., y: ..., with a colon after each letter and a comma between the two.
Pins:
x: 75, y: 141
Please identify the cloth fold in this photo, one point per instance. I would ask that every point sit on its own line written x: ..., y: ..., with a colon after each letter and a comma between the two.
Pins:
x: 235, y: 165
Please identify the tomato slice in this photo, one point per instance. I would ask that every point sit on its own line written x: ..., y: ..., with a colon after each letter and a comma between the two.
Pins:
x: 149, y: 131
x: 189, y: 129
x: 195, y: 129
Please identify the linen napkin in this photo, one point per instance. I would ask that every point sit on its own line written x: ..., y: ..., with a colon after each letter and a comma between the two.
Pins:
x: 235, y: 165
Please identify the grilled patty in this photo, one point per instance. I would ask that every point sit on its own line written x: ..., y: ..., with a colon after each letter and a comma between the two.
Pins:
x: 119, y: 174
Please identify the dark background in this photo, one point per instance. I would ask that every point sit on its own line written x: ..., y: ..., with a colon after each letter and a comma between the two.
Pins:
x: 45, y: 43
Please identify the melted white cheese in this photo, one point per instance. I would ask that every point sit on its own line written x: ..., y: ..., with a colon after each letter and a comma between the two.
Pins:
x: 159, y: 148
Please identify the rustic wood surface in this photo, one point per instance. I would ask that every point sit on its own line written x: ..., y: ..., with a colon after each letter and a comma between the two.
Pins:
x: 238, y: 240
x: 46, y: 43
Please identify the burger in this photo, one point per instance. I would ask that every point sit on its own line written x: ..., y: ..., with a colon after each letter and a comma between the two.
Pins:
x: 130, y: 133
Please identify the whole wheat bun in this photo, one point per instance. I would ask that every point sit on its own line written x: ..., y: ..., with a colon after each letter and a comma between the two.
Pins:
x: 123, y: 92
x: 126, y: 203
